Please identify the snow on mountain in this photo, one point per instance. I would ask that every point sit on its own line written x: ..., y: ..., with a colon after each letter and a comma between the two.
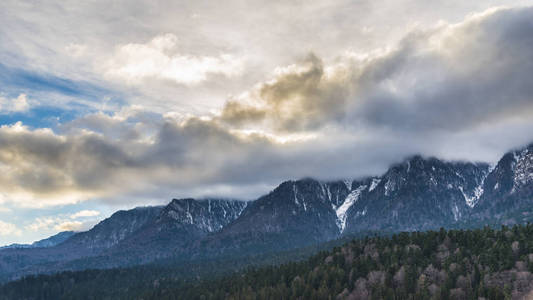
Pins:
x: 471, y: 201
x: 523, y: 169
x: 509, y: 185
x: 417, y: 194
x: 348, y: 202
x: 374, y: 184
x: 208, y: 215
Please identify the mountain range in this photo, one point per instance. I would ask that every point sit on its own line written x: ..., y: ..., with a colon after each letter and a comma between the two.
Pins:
x: 418, y: 194
x: 56, y: 239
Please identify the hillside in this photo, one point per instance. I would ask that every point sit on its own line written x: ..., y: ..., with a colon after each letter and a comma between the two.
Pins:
x: 457, y: 264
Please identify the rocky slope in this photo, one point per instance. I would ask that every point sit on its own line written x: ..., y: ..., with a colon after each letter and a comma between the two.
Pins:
x: 294, y: 214
x: 179, y: 225
x: 509, y: 186
x: 418, y: 194
x: 112, y: 230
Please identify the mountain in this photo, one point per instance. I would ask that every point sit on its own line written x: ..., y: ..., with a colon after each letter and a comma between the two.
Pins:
x: 198, y: 217
x: 295, y: 214
x: 127, y: 237
x: 509, y: 186
x: 179, y: 224
x: 48, y: 242
x: 53, y: 240
x: 111, y: 231
x: 418, y: 194
x: 454, y: 264
x: 16, y: 246
x: 19, y: 261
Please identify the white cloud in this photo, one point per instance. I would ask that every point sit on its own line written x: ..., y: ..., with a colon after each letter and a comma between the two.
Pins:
x: 18, y: 104
x: 9, y: 229
x: 85, y: 213
x: 69, y: 226
x: 39, y: 224
x: 76, y: 50
x: 78, y: 41
x: 57, y: 223
x: 157, y: 59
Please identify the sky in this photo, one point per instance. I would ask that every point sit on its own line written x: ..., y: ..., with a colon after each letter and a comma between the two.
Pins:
x: 108, y: 105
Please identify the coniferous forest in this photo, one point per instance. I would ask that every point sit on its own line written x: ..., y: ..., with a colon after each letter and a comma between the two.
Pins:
x: 457, y: 264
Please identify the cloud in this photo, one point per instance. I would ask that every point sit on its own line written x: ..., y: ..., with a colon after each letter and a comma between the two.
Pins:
x: 85, y: 213
x: 61, y: 169
x: 453, y: 77
x: 41, y: 224
x: 300, y: 97
x: 42, y: 168
x: 158, y: 59
x: 450, y: 77
x: 457, y: 91
x: 64, y: 51
x: 9, y: 229
x: 57, y: 223
x: 18, y: 104
x: 76, y: 50
x: 69, y: 226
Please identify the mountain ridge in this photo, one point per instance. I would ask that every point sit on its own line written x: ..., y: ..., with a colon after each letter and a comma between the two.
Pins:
x: 419, y: 193
x: 53, y: 240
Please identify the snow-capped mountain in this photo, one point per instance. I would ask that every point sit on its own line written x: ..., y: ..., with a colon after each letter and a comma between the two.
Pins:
x: 510, y: 185
x: 178, y: 226
x: 127, y: 237
x: 417, y: 194
x: 293, y: 214
x: 421, y: 193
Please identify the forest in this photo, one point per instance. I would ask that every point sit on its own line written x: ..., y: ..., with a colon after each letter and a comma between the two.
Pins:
x: 482, y: 263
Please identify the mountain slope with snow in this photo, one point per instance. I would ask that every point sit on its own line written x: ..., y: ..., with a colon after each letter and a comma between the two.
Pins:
x: 417, y: 194
x: 509, y: 186
x: 179, y: 225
